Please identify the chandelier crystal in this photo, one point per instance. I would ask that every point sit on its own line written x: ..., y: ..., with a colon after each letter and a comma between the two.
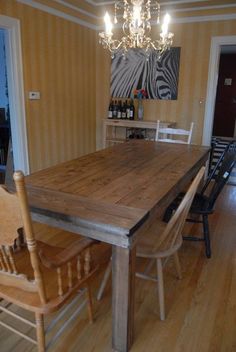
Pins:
x: 136, y: 28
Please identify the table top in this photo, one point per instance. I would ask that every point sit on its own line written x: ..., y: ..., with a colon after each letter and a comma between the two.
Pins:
x: 109, y: 194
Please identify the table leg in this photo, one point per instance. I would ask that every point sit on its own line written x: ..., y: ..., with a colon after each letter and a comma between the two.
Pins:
x: 123, y: 288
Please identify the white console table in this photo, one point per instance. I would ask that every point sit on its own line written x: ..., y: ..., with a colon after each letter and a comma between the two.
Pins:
x: 111, y: 136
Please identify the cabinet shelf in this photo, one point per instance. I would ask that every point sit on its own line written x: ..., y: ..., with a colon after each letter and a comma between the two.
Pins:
x: 116, y: 140
x: 114, y: 128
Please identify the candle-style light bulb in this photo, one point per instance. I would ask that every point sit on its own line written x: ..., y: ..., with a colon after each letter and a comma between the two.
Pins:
x: 167, y: 18
x: 108, y: 24
x: 137, y: 15
x: 165, y: 25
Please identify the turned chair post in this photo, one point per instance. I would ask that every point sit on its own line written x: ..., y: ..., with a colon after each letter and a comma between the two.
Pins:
x: 30, y: 240
x: 40, y: 332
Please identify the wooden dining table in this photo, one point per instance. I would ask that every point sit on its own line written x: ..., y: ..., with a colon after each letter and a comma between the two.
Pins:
x: 113, y: 195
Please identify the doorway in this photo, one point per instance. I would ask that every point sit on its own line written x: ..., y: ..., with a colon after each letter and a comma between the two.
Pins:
x: 225, y: 103
x: 217, y: 48
x: 6, y: 158
x: 216, y: 44
x: 14, y: 71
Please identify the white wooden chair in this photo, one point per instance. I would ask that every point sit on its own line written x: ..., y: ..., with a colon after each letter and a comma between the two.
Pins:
x: 162, y: 134
x: 164, y: 240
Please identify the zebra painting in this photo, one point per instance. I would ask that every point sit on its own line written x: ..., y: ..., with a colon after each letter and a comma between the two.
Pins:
x: 159, y: 77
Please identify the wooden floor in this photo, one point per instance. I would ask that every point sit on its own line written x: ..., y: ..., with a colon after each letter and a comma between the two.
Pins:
x: 201, y: 308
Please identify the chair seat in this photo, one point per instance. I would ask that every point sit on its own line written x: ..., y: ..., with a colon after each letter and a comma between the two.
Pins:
x: 51, y: 256
x: 152, y: 243
x: 31, y: 300
x: 200, y: 205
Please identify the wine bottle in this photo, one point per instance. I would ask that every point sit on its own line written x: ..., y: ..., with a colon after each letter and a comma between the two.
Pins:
x: 110, y: 110
x: 127, y: 110
x: 123, y: 113
x: 115, y: 110
x: 131, y: 110
x: 119, y: 110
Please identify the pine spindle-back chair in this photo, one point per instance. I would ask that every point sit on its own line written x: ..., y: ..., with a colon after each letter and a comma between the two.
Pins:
x: 164, y: 240
x: 37, y: 276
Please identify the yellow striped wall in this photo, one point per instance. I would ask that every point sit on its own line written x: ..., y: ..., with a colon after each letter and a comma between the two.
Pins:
x: 59, y: 61
x: 194, y: 40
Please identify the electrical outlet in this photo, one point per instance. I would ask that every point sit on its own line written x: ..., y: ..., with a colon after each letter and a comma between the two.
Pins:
x: 34, y: 95
x: 228, y: 82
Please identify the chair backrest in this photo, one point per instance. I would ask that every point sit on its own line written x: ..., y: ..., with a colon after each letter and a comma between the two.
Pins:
x: 232, y: 178
x: 213, y: 172
x: 15, y: 215
x: 219, y: 147
x: 163, y: 134
x: 222, y: 177
x: 173, y: 230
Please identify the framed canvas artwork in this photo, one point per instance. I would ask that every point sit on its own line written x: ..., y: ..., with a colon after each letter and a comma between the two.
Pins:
x: 159, y: 77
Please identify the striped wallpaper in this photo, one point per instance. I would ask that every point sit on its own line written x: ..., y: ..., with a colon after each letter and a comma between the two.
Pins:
x: 59, y: 61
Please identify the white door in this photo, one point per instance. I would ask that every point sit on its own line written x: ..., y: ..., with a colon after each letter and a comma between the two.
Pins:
x: 16, y: 92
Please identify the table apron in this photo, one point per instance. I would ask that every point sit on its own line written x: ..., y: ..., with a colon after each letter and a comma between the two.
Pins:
x: 107, y: 237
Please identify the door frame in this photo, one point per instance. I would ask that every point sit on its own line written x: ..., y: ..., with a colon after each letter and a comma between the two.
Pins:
x: 16, y: 92
x: 213, y: 72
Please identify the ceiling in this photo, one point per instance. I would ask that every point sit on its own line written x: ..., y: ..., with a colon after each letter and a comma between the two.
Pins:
x: 90, y: 13
x: 169, y: 3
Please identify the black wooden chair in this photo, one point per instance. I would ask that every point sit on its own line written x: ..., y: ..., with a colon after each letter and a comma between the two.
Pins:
x: 203, y: 203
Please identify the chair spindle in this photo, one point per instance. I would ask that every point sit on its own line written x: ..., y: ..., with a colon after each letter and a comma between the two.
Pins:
x: 87, y: 259
x: 79, y: 276
x: 11, y: 259
x: 5, y: 260
x: 69, y: 270
x: 59, y: 280
x: 2, y: 264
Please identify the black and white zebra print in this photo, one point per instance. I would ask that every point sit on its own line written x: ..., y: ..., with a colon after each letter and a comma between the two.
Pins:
x: 158, y: 77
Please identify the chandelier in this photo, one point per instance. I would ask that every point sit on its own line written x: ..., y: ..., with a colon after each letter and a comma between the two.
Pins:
x: 136, y: 28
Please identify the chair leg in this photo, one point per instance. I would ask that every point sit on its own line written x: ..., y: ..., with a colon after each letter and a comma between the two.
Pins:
x: 177, y: 265
x: 160, y: 289
x: 40, y: 332
x: 206, y: 236
x: 90, y: 304
x: 104, y: 281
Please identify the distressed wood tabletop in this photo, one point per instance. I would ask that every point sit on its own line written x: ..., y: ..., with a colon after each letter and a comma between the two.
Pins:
x: 116, y: 189
x: 113, y: 195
